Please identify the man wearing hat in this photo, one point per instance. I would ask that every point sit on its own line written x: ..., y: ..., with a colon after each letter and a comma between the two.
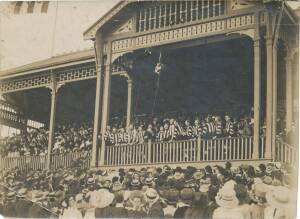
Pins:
x: 228, y: 202
x: 37, y: 210
x: 186, y: 197
x: 22, y: 204
x: 154, y: 206
x: 9, y: 206
x: 171, y: 198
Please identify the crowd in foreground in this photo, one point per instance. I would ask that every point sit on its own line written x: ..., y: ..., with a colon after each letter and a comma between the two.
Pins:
x: 78, y: 137
x: 214, y: 192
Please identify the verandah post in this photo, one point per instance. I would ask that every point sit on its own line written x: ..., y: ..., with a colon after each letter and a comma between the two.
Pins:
x: 97, y: 114
x: 257, y: 89
x: 106, y: 101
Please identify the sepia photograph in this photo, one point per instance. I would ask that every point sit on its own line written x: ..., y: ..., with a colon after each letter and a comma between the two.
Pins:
x: 149, y: 109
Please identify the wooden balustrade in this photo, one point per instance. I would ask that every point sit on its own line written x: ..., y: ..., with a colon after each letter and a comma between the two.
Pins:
x: 193, y: 150
x: 285, y: 153
x: 39, y: 162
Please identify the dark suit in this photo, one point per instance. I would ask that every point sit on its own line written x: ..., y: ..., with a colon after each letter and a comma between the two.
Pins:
x: 156, y: 210
x: 22, y: 207
x: 110, y: 212
x: 9, y: 210
x: 36, y: 211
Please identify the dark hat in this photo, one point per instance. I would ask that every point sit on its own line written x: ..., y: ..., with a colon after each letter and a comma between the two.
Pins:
x: 178, y: 169
x: 187, y: 195
x: 171, y: 196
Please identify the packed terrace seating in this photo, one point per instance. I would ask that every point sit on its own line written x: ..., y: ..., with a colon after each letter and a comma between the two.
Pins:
x: 78, y: 137
x: 252, y: 192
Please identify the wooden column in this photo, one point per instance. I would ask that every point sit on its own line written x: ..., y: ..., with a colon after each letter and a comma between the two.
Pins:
x: 106, y: 102
x: 97, y: 118
x: 274, y: 114
x: 269, y: 101
x: 129, y: 101
x: 54, y: 91
x: 289, y: 93
x: 257, y: 94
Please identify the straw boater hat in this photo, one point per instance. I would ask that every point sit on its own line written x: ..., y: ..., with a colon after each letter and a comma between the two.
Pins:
x: 259, y: 191
x: 22, y: 192
x: 151, y: 194
x: 90, y: 181
x: 226, y: 198
x: 279, y: 197
x: 11, y: 195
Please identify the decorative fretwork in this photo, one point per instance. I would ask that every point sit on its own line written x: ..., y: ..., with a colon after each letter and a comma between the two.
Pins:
x: 75, y: 74
x: 25, y: 83
x: 126, y: 27
x: 176, y: 12
x: 121, y: 64
x: 184, y: 33
x: 241, y: 4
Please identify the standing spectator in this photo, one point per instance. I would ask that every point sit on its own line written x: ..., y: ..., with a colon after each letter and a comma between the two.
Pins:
x: 71, y: 211
x: 278, y: 200
x: 154, y: 206
x: 228, y: 202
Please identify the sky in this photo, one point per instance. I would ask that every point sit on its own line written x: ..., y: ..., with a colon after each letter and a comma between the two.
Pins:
x: 25, y: 38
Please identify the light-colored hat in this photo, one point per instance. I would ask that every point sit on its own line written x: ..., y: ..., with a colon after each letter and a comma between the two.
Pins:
x: 267, y: 180
x: 226, y: 198
x: 90, y: 181
x: 260, y: 190
x: 137, y: 194
x: 229, y: 184
x: 151, y: 193
x: 279, y: 197
x: 22, y: 192
x: 105, y: 198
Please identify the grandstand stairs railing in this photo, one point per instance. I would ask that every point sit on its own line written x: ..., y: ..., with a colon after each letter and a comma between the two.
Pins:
x: 187, y: 152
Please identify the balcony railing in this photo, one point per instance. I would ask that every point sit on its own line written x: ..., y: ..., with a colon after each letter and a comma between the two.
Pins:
x: 195, y: 150
x: 285, y: 153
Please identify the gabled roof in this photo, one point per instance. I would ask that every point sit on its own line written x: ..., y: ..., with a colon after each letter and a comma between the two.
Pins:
x: 59, y: 61
x: 91, y: 31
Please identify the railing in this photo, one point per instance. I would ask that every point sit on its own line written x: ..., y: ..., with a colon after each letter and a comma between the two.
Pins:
x: 195, y: 150
x: 285, y: 153
x: 23, y: 162
x: 79, y: 159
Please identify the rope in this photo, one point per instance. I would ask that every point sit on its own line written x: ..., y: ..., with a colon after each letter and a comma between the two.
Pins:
x: 157, y: 86
x: 155, y: 95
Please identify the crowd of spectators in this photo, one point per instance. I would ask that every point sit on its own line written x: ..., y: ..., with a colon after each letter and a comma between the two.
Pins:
x: 68, y: 138
x: 215, y: 192
x: 78, y: 137
x: 178, y: 128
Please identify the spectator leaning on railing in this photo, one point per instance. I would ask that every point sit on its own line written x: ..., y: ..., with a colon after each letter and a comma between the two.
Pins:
x: 73, y: 137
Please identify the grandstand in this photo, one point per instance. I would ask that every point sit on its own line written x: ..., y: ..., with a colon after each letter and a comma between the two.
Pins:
x: 183, y: 61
